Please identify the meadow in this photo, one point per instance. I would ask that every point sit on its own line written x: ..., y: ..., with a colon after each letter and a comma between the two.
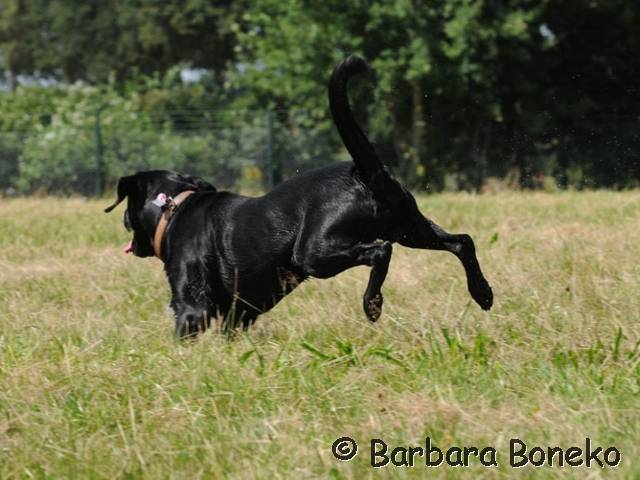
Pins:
x: 94, y: 385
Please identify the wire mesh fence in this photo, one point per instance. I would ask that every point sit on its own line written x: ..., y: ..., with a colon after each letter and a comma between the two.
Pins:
x: 232, y: 149
x: 86, y: 151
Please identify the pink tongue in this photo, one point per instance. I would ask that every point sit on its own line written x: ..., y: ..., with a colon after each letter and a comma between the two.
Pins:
x: 128, y: 247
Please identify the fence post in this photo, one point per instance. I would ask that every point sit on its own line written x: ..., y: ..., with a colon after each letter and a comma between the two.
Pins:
x: 269, y: 162
x: 99, y: 168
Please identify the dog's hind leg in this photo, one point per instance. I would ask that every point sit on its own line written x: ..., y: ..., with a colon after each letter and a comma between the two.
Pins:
x: 372, y: 300
x: 324, y: 262
x: 420, y: 232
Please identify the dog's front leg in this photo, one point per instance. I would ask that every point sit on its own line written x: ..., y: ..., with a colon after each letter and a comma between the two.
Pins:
x: 190, y: 320
x: 191, y: 302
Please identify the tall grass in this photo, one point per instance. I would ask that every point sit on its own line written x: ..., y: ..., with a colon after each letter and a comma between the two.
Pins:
x: 93, y: 384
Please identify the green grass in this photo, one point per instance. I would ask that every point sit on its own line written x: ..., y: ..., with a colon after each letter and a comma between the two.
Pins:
x: 93, y: 384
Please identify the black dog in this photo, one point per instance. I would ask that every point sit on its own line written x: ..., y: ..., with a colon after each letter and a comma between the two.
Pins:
x: 236, y: 257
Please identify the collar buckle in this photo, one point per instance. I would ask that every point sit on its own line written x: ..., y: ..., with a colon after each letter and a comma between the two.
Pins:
x: 169, y: 207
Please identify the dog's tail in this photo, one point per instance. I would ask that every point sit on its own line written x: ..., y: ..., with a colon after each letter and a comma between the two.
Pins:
x: 357, y: 143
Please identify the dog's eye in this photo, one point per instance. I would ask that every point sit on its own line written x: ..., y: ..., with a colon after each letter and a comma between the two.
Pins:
x: 127, y: 221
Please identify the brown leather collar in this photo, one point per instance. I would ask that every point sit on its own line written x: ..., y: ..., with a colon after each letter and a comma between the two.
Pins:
x: 165, y: 216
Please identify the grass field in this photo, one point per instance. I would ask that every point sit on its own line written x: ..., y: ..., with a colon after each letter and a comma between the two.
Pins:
x: 93, y: 384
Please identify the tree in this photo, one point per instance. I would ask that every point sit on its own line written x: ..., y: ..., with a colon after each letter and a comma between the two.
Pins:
x: 460, y: 89
x: 93, y: 41
x: 590, y: 90
x: 439, y: 66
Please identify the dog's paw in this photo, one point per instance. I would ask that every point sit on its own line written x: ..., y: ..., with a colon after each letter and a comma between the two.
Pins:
x: 481, y: 292
x: 191, y: 322
x: 373, y: 307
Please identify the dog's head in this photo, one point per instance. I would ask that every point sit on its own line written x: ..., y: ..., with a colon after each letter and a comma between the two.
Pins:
x: 142, y: 214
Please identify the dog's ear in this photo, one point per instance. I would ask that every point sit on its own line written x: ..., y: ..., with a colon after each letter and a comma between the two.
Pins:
x: 200, y: 184
x: 125, y: 186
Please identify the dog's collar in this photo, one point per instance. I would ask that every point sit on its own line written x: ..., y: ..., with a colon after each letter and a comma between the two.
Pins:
x: 168, y: 209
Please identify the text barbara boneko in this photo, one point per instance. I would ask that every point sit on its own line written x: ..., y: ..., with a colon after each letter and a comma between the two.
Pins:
x: 520, y: 455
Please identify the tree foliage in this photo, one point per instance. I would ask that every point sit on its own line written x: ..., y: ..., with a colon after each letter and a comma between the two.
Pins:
x: 80, y: 40
x: 460, y: 91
